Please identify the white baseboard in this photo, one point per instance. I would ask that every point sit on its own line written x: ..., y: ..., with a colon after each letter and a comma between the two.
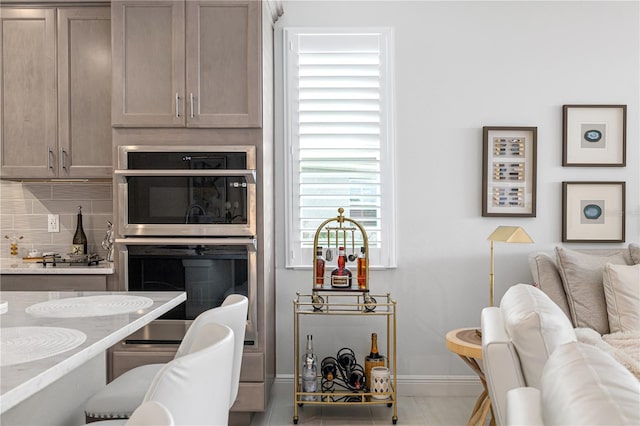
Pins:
x: 425, y: 385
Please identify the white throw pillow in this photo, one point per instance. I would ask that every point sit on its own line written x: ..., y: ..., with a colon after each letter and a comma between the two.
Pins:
x: 634, y: 252
x: 622, y: 293
x: 536, y: 326
x: 582, y: 280
x: 582, y: 385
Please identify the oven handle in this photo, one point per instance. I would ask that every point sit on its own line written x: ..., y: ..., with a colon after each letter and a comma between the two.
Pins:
x: 250, y: 243
x: 249, y: 174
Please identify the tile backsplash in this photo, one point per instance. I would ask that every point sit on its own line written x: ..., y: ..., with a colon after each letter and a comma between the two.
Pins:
x: 25, y: 206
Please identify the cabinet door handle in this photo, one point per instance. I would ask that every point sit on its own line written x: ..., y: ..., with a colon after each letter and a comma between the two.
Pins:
x: 63, y: 155
x: 49, y: 166
x: 177, y: 106
x: 191, y: 100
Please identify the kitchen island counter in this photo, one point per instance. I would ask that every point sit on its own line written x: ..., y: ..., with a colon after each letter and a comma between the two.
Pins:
x: 88, y: 322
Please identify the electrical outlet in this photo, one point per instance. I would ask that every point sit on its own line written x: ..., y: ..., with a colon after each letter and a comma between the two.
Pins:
x: 53, y: 223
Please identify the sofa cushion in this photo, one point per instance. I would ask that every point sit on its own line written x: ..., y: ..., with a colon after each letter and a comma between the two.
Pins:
x: 547, y: 278
x: 622, y: 294
x: 582, y: 280
x: 536, y: 325
x: 581, y: 385
x: 634, y: 251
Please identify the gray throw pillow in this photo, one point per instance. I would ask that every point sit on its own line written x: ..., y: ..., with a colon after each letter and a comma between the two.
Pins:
x: 582, y: 280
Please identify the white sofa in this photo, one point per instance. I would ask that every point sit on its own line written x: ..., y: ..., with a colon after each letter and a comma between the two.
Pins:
x: 580, y: 385
x: 533, y: 321
x: 517, y: 339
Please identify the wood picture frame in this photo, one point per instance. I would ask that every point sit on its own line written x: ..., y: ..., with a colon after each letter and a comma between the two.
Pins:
x: 594, y: 135
x: 509, y: 171
x: 593, y: 212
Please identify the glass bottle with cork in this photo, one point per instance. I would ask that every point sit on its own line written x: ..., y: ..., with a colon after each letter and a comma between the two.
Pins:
x: 79, y: 245
x: 309, y: 371
x: 374, y: 359
x: 341, y: 275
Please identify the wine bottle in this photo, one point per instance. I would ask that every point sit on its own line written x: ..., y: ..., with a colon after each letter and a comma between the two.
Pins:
x: 374, y: 359
x: 341, y: 276
x: 79, y: 245
x: 329, y: 368
x: 309, y: 371
x: 362, y: 269
x: 319, y: 267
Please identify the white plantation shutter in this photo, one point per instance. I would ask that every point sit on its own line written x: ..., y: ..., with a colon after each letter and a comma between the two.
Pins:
x: 339, y: 114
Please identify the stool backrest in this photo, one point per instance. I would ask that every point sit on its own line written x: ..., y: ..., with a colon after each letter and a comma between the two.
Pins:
x: 233, y: 314
x: 195, y: 387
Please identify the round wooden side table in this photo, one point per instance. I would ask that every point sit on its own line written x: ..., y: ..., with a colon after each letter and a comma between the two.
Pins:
x: 467, y: 344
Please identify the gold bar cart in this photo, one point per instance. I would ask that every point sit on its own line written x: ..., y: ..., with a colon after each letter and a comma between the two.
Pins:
x: 325, y: 301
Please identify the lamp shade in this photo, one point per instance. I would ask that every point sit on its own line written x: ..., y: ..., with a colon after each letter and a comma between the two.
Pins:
x: 510, y: 234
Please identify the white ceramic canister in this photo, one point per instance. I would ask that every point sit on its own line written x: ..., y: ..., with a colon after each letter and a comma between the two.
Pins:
x: 380, y: 378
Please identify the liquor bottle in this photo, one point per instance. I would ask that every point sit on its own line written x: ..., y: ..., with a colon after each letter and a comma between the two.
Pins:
x: 79, y: 245
x: 309, y: 371
x: 341, y: 276
x: 319, y: 267
x: 362, y: 269
x: 374, y: 359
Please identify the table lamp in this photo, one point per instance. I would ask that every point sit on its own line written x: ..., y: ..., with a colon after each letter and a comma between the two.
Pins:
x: 505, y: 234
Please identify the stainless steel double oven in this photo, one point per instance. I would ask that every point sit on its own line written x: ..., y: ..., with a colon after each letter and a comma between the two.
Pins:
x: 187, y: 222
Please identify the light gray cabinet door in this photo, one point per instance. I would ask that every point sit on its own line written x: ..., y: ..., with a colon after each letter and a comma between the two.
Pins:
x: 84, y: 92
x: 223, y: 63
x: 148, y: 63
x: 28, y: 96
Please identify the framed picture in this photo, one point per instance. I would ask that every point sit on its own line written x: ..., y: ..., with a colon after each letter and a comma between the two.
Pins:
x: 509, y: 171
x: 594, y: 135
x: 593, y: 212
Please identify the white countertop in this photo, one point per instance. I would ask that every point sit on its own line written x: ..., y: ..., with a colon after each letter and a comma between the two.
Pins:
x: 8, y: 266
x: 20, y: 381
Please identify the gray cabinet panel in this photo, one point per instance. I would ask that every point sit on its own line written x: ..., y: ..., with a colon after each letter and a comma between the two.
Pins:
x: 55, y: 128
x: 186, y: 64
x: 28, y: 96
x: 84, y: 85
x: 148, y: 63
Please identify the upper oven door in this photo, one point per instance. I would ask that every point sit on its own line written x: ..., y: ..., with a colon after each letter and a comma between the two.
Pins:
x: 172, y: 191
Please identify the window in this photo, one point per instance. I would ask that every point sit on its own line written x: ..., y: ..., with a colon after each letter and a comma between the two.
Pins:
x: 339, y: 135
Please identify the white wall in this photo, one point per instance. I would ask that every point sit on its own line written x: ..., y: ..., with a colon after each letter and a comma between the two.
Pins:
x: 460, y: 66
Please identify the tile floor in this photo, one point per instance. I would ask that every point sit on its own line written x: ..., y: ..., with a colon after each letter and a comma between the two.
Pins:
x: 412, y: 411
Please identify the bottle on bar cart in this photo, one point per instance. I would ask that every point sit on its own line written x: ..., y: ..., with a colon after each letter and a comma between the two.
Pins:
x: 341, y: 276
x: 319, y: 267
x: 309, y: 371
x: 374, y: 359
x: 362, y: 269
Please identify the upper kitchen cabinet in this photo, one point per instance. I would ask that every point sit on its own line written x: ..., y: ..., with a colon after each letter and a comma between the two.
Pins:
x: 84, y: 92
x: 186, y: 63
x: 56, y: 129
x: 28, y: 98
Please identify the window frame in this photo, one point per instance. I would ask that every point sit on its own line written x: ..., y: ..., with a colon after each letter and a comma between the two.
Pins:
x: 300, y: 257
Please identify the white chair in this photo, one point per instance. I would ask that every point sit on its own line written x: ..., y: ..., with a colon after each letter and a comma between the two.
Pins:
x: 151, y: 413
x: 192, y: 389
x: 123, y: 395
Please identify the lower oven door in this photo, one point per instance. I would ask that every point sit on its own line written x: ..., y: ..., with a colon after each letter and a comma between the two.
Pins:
x: 207, y: 269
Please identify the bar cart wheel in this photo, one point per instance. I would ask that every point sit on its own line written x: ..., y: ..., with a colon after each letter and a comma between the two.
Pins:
x: 295, y: 420
x: 300, y: 404
x: 394, y: 420
x: 390, y: 404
